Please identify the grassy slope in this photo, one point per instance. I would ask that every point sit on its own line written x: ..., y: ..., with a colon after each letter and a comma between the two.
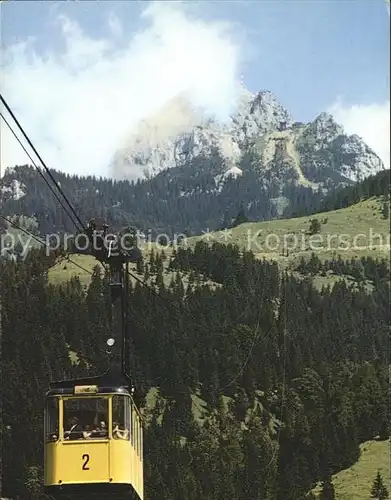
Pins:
x: 342, y: 225
x: 336, y: 237
x: 351, y: 232
x: 355, y: 483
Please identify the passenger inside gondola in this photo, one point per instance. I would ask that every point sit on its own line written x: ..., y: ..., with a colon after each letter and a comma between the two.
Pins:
x: 87, y: 431
x: 119, y: 433
x: 100, y: 430
x: 75, y: 431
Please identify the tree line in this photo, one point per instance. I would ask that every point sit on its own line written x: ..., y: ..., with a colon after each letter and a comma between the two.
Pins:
x: 377, y: 185
x: 186, y: 199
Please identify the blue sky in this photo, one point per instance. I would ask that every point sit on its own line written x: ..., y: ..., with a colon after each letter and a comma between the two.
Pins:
x: 314, y: 55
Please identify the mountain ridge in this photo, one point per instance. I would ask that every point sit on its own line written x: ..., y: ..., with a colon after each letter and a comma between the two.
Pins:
x: 177, y: 133
x: 262, y: 162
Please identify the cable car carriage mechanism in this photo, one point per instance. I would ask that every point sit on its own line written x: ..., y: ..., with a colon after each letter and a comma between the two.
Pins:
x: 93, y: 429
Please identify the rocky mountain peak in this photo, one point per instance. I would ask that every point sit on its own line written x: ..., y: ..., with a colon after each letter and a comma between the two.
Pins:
x: 325, y: 127
x: 266, y: 102
x: 312, y: 154
x: 264, y: 114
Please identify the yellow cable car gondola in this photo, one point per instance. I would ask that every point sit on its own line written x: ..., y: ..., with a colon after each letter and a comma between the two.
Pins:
x: 93, y: 440
x: 93, y: 430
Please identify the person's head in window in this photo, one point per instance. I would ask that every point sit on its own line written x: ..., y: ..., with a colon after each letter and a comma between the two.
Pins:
x: 118, y: 432
x: 75, y: 430
x: 74, y: 421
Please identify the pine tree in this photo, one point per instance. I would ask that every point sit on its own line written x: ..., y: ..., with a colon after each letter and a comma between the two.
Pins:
x: 327, y: 492
x: 241, y: 218
x: 379, y: 489
x: 140, y: 264
x: 385, y: 210
x: 315, y: 226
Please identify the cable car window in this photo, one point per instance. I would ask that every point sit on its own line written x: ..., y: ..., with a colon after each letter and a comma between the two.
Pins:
x: 86, y: 418
x: 121, y: 417
x: 51, y: 420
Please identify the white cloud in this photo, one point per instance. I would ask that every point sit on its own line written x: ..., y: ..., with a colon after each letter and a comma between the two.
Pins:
x: 77, y: 106
x: 371, y: 122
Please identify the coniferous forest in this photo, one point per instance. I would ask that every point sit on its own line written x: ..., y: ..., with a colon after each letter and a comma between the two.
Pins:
x: 181, y: 200
x: 263, y: 385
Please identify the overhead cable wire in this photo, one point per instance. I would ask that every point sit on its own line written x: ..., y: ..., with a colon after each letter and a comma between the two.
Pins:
x: 257, y: 332
x: 41, y: 160
x: 36, y: 238
x: 39, y: 240
x: 39, y: 170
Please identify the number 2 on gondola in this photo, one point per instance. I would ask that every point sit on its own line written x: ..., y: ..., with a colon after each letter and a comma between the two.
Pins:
x: 86, y: 459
